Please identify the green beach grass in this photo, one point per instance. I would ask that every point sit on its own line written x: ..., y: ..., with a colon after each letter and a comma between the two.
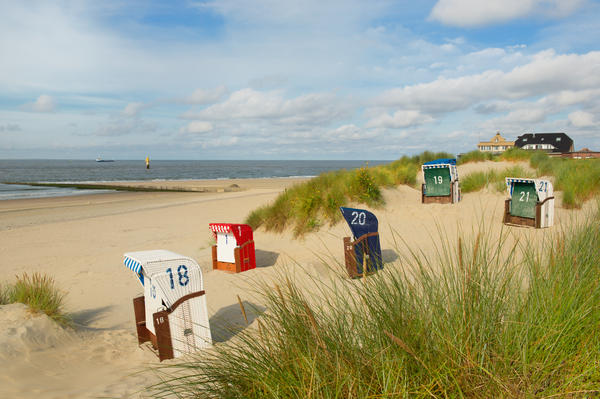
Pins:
x: 311, y: 205
x: 578, y: 179
x: 39, y: 292
x: 482, y: 319
x: 478, y: 180
x: 307, y: 206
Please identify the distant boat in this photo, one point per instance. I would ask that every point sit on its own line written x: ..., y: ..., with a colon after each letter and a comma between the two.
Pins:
x: 104, y: 160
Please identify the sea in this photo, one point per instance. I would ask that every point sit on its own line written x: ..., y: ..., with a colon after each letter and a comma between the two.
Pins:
x: 90, y: 171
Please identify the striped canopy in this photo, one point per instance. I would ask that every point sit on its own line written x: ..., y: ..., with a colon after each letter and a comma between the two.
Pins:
x: 135, y: 261
x: 220, y: 227
x: 447, y: 161
x: 134, y: 265
x: 241, y: 232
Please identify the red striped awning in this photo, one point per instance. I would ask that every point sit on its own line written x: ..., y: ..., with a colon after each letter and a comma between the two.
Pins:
x: 241, y: 232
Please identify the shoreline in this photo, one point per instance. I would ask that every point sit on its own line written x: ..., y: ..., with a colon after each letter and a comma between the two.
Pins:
x: 220, y: 185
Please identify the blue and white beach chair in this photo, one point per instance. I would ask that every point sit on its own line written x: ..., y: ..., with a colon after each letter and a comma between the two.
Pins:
x: 530, y: 202
x: 363, y: 255
x: 172, y: 313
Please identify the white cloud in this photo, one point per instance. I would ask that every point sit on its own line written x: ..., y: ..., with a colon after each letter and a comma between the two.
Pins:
x: 582, y: 119
x: 43, y: 103
x: 197, y: 127
x: 204, y: 96
x: 400, y: 119
x: 271, y: 107
x: 546, y: 73
x: 351, y: 132
x: 469, y: 13
x: 133, y: 109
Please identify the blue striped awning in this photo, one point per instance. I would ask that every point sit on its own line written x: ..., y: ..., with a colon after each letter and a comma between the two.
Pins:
x: 134, y: 265
x: 511, y: 180
x: 436, y: 166
x: 451, y: 161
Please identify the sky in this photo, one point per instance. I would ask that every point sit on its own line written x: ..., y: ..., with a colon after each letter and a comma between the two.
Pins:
x: 277, y: 79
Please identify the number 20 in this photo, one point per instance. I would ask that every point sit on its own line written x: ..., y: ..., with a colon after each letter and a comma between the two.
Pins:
x: 359, y: 218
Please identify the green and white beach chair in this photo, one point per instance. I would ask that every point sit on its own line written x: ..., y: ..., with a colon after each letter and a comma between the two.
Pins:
x: 441, y: 182
x: 530, y: 202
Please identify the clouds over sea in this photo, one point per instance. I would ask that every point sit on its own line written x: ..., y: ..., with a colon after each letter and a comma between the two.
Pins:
x: 279, y: 80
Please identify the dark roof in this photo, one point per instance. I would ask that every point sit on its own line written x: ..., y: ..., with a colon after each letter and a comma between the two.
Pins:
x: 560, y: 141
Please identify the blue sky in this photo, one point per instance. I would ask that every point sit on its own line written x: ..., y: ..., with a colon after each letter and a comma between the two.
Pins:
x: 273, y: 79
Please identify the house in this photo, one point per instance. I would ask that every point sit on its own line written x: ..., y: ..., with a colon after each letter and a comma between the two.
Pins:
x: 553, y: 143
x: 584, y: 153
x: 496, y: 144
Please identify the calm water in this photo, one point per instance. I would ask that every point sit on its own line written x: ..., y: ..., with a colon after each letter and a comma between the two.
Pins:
x: 91, y: 171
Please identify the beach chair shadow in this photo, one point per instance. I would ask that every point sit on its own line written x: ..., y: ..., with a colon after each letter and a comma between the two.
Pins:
x: 84, y: 318
x: 266, y: 258
x: 389, y: 255
x: 229, y: 321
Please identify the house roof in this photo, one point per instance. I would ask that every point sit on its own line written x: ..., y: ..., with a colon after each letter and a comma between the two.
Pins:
x: 497, y: 140
x: 560, y: 141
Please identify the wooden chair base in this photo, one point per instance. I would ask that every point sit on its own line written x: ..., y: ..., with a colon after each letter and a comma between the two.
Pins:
x: 523, y: 221
x: 162, y: 341
x: 350, y: 257
x: 440, y: 199
x: 229, y: 267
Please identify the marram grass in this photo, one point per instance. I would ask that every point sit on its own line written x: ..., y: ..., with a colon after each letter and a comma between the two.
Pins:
x: 476, y: 181
x: 39, y: 292
x: 484, y: 318
x: 308, y: 206
x: 578, y: 179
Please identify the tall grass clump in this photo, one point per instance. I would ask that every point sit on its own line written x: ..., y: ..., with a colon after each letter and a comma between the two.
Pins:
x: 516, y: 154
x: 308, y: 206
x: 484, y: 318
x: 478, y: 180
x: 476, y: 156
x: 578, y: 179
x: 39, y: 292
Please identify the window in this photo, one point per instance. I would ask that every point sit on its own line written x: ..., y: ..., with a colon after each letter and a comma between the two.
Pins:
x: 558, y: 138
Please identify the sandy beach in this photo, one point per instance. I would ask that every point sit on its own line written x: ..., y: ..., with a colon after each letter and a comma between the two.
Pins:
x: 80, y: 241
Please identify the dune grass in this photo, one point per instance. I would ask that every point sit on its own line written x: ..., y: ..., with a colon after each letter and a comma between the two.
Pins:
x: 308, y: 206
x: 39, y: 292
x: 476, y: 156
x: 578, y: 179
x: 484, y: 318
x: 512, y: 154
x: 478, y: 180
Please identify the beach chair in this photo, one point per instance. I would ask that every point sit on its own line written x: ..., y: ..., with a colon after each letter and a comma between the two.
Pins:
x: 363, y: 254
x: 172, y: 313
x: 234, y: 251
x: 441, y: 184
x: 530, y: 203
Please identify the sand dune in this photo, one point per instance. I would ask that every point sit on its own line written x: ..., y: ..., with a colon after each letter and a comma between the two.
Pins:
x: 80, y: 242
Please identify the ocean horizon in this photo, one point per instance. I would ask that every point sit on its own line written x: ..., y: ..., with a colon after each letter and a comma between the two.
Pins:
x: 90, y: 171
